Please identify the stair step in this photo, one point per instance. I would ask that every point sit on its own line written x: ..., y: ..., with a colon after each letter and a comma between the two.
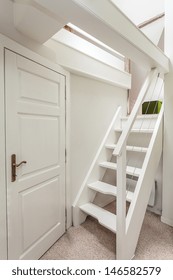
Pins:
x: 130, y: 170
x: 136, y: 130
x: 108, y: 189
x: 141, y: 122
x: 103, y: 188
x: 129, y: 148
x: 104, y: 217
x: 144, y: 116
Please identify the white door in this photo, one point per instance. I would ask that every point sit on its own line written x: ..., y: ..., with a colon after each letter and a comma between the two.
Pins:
x: 35, y: 133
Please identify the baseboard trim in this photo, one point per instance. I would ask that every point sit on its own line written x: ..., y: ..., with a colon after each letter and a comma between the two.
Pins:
x: 167, y: 221
x: 155, y: 211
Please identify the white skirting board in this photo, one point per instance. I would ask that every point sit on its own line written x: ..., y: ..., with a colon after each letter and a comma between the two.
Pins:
x: 167, y: 221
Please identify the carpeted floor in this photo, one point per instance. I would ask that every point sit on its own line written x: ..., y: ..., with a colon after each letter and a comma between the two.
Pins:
x: 91, y: 241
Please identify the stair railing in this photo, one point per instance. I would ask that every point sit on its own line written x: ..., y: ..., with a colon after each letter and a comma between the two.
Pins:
x: 137, y: 209
x: 120, y: 153
x: 144, y: 90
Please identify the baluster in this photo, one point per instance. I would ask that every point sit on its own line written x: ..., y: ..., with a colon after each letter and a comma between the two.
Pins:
x: 121, y: 204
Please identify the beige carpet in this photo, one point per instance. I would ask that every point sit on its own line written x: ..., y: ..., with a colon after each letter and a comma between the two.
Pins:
x: 91, y: 241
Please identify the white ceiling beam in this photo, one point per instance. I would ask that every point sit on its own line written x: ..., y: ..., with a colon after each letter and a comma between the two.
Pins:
x: 103, y: 20
x: 117, y: 31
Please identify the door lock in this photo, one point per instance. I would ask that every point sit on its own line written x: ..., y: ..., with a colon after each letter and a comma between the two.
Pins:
x: 14, y: 165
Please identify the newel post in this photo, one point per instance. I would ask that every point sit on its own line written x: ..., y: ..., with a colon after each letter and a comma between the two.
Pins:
x: 121, y: 205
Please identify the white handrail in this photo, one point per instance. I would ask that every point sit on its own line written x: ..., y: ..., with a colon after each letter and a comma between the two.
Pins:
x: 123, y: 138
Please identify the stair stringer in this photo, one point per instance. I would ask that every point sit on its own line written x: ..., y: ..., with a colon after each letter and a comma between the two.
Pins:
x: 95, y: 172
x: 143, y: 189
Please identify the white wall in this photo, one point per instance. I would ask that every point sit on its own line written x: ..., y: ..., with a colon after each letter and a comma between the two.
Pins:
x: 140, y: 10
x: 138, y: 77
x: 7, y: 28
x: 154, y: 32
x: 93, y: 104
x: 167, y: 214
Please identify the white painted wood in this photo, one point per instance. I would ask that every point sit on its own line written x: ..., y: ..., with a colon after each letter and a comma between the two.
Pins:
x: 94, y: 174
x: 6, y: 42
x: 130, y: 170
x: 39, y: 56
x: 23, y: 11
x: 136, y: 149
x: 70, y: 58
x: 121, y: 205
x: 113, y: 16
x: 129, y: 196
x: 124, y: 136
x: 33, y: 55
x: 7, y: 28
x: 104, y: 217
x: 142, y: 121
x: 107, y: 164
x: 129, y: 148
x: 108, y: 189
x: 82, y: 45
x: 35, y: 131
x: 68, y: 189
x: 127, y: 39
x: 145, y: 130
x: 143, y: 189
x: 3, y: 226
x: 103, y: 188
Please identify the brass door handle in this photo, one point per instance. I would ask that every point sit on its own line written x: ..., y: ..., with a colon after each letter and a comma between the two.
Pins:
x: 14, y: 165
x: 17, y: 165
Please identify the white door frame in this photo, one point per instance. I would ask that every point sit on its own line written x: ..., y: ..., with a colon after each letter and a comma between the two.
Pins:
x: 15, y: 47
x: 3, y: 221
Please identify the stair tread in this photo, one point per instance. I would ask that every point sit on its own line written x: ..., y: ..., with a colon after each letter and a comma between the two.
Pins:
x: 144, y: 116
x: 129, y: 148
x: 103, y: 188
x: 130, y: 170
x: 136, y: 130
x: 108, y: 189
x: 103, y: 216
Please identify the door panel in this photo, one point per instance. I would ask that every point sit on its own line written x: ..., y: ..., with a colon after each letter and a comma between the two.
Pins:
x: 35, y: 132
x: 43, y: 199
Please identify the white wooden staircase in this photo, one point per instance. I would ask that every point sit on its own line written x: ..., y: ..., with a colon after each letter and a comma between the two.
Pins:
x: 132, y: 148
